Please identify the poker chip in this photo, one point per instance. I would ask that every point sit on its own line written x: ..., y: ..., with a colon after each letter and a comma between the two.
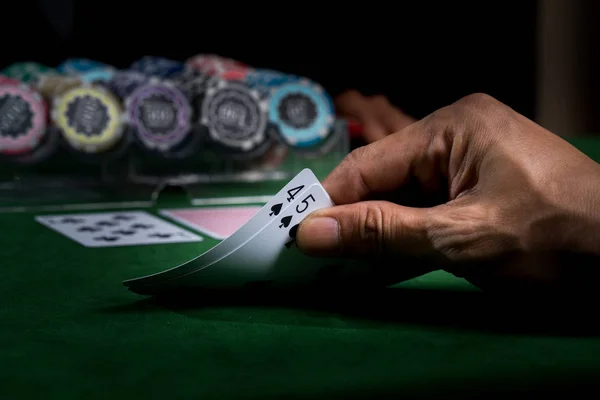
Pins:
x: 89, y: 118
x: 238, y: 74
x: 265, y: 80
x: 27, y: 72
x: 268, y: 78
x: 122, y: 83
x: 221, y: 67
x: 97, y: 75
x: 160, y: 115
x: 5, y: 80
x: 302, y: 113
x: 22, y: 119
x: 51, y: 86
x: 157, y: 66
x: 78, y: 66
x: 191, y: 82
x: 235, y: 116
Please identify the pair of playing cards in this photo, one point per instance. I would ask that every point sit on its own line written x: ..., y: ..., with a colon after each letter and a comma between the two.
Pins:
x: 261, y: 250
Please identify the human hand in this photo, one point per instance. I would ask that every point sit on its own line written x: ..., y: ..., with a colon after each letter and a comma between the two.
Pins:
x: 514, y: 192
x: 378, y: 117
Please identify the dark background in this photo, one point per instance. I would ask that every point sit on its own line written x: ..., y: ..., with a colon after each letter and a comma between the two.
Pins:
x: 421, y: 54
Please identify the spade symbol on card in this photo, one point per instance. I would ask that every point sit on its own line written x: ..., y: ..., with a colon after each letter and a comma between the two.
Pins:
x: 71, y: 220
x: 124, y: 232
x: 88, y: 229
x: 106, y: 223
x: 285, y: 221
x: 123, y: 217
x: 292, y: 235
x: 275, y: 210
x: 160, y: 235
x: 141, y: 226
x: 107, y: 238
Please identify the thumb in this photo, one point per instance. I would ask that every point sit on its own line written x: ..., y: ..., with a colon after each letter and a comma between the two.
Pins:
x: 369, y: 227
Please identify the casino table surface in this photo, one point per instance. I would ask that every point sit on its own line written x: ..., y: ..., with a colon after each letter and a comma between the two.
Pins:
x: 71, y: 330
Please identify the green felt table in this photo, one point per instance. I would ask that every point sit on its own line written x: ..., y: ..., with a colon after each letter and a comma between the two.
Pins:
x: 69, y: 329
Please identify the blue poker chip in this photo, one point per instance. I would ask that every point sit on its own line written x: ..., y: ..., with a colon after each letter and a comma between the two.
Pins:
x: 97, y: 75
x: 77, y: 66
x: 159, y: 67
x: 302, y: 113
x: 265, y: 80
x: 123, y: 83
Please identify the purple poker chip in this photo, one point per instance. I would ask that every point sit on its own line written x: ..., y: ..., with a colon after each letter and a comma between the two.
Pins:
x: 160, y: 114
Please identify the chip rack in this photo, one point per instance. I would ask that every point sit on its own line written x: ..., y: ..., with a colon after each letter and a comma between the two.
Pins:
x: 58, y: 175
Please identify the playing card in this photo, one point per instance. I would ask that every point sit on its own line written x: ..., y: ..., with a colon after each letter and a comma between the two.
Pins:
x: 271, y: 211
x: 217, y: 222
x: 117, y: 229
x: 270, y: 255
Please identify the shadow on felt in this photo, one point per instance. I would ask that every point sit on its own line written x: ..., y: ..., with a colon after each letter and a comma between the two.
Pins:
x: 464, y: 310
x: 525, y: 310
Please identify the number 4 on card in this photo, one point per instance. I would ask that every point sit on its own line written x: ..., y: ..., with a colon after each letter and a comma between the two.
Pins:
x: 293, y: 192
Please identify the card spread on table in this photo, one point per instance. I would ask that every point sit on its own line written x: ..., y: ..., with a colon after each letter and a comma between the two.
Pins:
x: 217, y: 222
x: 117, y: 229
x: 262, y: 249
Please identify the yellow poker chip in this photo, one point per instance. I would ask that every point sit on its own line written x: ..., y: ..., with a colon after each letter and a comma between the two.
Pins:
x: 89, y: 118
x: 50, y: 86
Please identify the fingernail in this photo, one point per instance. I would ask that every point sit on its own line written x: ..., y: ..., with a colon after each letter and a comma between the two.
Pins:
x: 319, y: 235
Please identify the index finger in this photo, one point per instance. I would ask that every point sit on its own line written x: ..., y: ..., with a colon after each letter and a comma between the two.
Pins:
x: 382, y: 166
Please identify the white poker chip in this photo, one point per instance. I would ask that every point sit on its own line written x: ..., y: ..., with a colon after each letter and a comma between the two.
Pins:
x: 235, y: 115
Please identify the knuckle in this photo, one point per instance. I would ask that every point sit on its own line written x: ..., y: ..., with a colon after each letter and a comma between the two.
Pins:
x: 477, y: 99
x: 470, y: 234
x: 479, y: 104
x: 476, y: 114
x: 371, y: 227
x: 351, y: 163
x: 350, y: 171
x: 355, y: 155
x: 352, y: 159
x: 359, y: 155
x: 439, y: 122
x: 438, y: 149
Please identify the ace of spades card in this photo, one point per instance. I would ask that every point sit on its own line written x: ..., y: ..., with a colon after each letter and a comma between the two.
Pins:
x: 264, y: 252
x: 117, y: 229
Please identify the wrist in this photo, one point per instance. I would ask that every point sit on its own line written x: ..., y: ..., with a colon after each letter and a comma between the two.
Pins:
x: 579, y: 229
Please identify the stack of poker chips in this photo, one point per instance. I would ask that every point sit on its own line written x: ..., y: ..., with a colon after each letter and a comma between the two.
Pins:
x: 167, y: 106
x: 23, y: 111
x: 23, y: 118
x: 244, y: 108
x: 157, y: 109
x: 87, y: 114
